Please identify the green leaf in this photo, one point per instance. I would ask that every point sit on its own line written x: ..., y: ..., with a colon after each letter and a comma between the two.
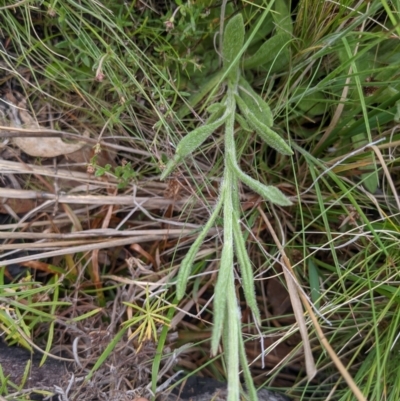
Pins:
x: 210, y: 84
x: 315, y: 287
x: 191, y: 142
x: 268, y: 192
x: 370, y: 179
x: 270, y: 137
x: 215, y: 112
x: 282, y: 17
x: 245, y: 267
x: 232, y: 45
x: 220, y: 297
x: 188, y: 260
x: 397, y: 115
x: 268, y: 52
x: 214, y: 108
x: 106, y: 352
x: 251, y: 390
x: 194, y: 139
x: 257, y: 105
x: 280, y: 63
x: 313, y: 104
x: 267, y: 25
x: 243, y: 123
x: 225, y: 274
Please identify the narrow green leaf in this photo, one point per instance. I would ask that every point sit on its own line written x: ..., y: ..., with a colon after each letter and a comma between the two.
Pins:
x: 220, y: 294
x: 251, y: 390
x: 191, y: 142
x: 225, y: 275
x: 267, y: 52
x: 314, y: 283
x: 269, y: 192
x: 245, y: 268
x: 233, y: 41
x: 243, y: 123
x: 270, y: 137
x: 187, y: 262
x: 27, y: 372
x: 195, y: 138
x: 257, y: 105
x: 370, y: 179
x: 106, y: 352
x: 214, y: 108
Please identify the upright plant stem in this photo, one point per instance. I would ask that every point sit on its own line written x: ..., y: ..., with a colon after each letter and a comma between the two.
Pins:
x: 233, y: 315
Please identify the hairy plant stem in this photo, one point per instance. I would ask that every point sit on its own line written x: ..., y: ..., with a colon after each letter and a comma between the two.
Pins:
x: 227, y: 313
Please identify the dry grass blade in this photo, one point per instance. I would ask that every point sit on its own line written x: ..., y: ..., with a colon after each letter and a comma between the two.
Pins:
x: 86, y: 248
x: 100, y: 200
x: 294, y: 297
x: 387, y: 174
x: 324, y: 341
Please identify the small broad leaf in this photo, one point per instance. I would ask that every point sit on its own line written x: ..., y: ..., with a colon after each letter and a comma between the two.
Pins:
x: 279, y: 63
x: 282, y: 17
x: 268, y: 52
x: 263, y: 31
x: 231, y: 46
x: 214, y: 108
x: 312, y: 104
x: 270, y: 137
x: 257, y: 105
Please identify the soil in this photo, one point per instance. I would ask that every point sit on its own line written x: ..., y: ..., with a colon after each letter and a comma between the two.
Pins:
x: 13, y: 361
